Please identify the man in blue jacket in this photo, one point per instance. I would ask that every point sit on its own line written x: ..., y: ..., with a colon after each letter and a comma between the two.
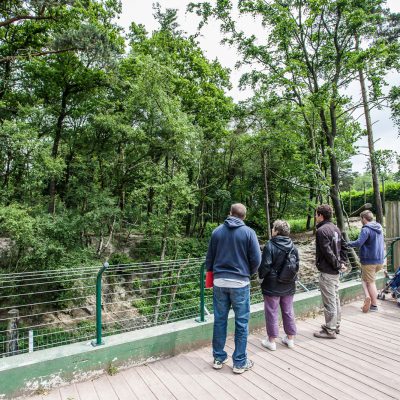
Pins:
x: 372, y: 253
x: 233, y: 256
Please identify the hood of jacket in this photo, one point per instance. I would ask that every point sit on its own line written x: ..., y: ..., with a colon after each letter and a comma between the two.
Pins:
x: 374, y: 226
x: 284, y: 243
x: 233, y: 222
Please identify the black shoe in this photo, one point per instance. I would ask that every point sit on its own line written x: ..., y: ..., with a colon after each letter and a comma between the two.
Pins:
x: 373, y: 308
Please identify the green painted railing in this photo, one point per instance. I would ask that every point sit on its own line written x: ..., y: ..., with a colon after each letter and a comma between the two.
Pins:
x: 99, y: 340
x: 390, y: 255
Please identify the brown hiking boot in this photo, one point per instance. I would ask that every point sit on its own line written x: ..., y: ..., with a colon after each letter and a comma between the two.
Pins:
x: 323, y: 334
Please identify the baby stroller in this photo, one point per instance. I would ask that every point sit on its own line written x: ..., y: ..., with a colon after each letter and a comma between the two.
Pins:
x: 392, y: 286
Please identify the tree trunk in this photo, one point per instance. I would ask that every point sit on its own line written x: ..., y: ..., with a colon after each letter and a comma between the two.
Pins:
x: 310, y: 210
x: 54, y: 151
x: 266, y: 200
x: 370, y: 134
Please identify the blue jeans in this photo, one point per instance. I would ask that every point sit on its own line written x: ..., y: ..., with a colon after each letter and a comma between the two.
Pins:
x: 223, y: 299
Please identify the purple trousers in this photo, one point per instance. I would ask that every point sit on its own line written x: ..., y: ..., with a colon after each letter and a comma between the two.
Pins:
x: 271, y: 305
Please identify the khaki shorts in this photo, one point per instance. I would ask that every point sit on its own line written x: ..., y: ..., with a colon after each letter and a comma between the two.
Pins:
x: 368, y: 272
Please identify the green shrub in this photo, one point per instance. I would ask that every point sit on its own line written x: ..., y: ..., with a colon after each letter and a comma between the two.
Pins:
x: 297, y: 225
x: 392, y: 193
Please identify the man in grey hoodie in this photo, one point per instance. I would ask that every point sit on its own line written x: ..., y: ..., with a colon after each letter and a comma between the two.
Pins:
x: 233, y: 256
x: 372, y: 253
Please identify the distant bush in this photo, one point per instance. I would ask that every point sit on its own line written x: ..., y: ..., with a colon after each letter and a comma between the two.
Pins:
x: 297, y: 225
x: 392, y: 193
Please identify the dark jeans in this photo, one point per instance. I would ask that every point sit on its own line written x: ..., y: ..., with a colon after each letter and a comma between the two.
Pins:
x: 223, y: 299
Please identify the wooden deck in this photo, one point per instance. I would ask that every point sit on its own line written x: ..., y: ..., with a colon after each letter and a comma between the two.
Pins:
x: 362, y: 363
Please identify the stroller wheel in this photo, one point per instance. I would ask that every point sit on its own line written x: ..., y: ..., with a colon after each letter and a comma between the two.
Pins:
x: 383, y: 297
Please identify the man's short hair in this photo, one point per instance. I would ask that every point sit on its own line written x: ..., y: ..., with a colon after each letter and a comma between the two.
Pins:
x: 281, y: 227
x: 326, y: 211
x: 367, y: 214
x: 238, y: 210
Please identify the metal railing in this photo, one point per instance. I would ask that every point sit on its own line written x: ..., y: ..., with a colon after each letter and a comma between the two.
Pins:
x: 45, y: 309
x: 390, y: 253
x: 206, y: 305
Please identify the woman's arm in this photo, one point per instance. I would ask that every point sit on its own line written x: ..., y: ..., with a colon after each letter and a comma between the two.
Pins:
x: 266, y: 262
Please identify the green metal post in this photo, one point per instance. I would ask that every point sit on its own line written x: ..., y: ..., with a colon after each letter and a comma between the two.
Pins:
x: 391, y: 252
x: 99, y: 340
x: 202, y: 289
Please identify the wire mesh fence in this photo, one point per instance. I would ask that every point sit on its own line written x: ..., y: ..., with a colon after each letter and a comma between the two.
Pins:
x: 44, y: 309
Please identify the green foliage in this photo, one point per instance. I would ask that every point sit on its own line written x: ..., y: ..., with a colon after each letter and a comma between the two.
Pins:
x: 392, y: 193
x: 297, y: 225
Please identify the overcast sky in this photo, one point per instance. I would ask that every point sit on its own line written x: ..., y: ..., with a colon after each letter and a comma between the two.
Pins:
x: 141, y: 11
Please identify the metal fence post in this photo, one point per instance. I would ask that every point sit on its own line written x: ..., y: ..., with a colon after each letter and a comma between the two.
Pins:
x: 99, y: 340
x: 391, y: 252
x: 12, y: 332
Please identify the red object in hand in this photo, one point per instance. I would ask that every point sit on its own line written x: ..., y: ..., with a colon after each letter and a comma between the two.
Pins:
x: 209, y: 279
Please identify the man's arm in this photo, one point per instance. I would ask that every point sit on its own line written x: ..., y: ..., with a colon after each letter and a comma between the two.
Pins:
x: 254, y: 253
x: 364, y: 234
x: 324, y: 242
x: 210, y: 255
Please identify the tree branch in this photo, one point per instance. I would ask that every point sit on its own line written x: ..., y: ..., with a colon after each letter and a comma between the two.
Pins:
x: 22, y: 17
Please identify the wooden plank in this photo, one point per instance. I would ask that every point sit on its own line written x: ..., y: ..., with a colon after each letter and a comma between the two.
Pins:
x: 365, y: 325
x: 351, y: 351
x: 242, y: 380
x: 154, y: 384
x: 86, y: 391
x: 104, y: 389
x: 270, y: 380
x: 186, y: 379
x: 214, y: 389
x: 289, y: 374
x: 69, y: 393
x: 342, y: 358
x: 360, y: 342
x: 137, y: 385
x: 173, y: 385
x: 221, y: 377
x: 377, y: 338
x: 347, y: 374
x: 315, y: 374
x: 121, y: 387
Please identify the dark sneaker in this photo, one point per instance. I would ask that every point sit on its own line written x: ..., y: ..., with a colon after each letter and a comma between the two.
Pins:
x: 337, y: 330
x: 219, y: 364
x: 373, y: 308
x: 239, y: 370
x: 323, y: 334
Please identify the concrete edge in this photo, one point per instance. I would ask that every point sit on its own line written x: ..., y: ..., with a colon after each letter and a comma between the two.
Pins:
x: 25, y: 373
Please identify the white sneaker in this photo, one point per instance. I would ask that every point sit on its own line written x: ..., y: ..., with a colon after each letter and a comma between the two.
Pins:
x: 288, y: 342
x: 268, y: 345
